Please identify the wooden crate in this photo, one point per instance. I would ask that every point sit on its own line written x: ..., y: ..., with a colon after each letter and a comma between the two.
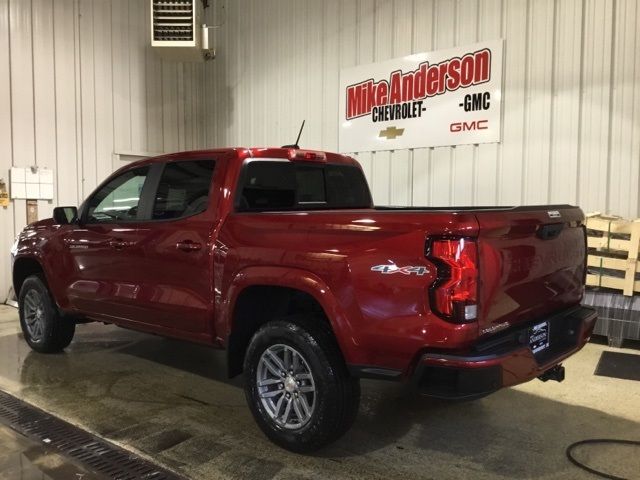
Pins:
x: 613, y: 253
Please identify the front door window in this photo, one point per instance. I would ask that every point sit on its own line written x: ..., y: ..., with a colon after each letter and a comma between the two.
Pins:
x: 118, y: 200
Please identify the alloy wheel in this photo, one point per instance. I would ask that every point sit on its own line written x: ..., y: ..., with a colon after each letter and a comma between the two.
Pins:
x: 34, y: 315
x: 286, y: 386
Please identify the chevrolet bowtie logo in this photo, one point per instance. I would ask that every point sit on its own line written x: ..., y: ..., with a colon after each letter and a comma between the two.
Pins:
x: 391, y: 132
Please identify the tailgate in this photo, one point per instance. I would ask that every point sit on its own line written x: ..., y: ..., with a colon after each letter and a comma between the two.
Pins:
x: 532, y: 263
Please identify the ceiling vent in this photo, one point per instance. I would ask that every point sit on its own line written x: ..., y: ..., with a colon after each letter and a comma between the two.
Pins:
x: 177, y: 30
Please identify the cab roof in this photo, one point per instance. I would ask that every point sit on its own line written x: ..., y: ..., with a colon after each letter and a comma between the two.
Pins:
x: 242, y: 153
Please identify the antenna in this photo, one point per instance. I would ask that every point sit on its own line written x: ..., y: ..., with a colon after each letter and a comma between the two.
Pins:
x: 295, y: 145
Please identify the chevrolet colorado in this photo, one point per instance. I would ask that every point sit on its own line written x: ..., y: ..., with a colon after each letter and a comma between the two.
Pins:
x: 279, y: 256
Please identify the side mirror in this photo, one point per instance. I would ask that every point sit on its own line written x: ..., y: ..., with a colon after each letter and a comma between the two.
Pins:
x: 65, y: 215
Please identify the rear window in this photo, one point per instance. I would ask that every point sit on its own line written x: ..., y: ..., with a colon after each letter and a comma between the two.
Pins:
x: 272, y: 185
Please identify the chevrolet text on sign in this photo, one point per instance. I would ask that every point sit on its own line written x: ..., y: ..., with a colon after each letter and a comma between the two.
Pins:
x: 448, y: 97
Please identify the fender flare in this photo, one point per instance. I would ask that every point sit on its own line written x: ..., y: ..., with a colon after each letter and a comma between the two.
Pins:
x: 287, y: 277
x: 37, y: 258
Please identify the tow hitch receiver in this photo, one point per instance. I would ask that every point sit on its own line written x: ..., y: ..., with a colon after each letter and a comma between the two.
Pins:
x: 555, y: 373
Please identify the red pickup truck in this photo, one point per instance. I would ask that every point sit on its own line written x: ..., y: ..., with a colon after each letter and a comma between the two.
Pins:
x: 279, y: 256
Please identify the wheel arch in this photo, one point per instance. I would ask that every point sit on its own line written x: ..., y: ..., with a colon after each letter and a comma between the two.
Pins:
x: 24, y: 267
x: 261, y: 294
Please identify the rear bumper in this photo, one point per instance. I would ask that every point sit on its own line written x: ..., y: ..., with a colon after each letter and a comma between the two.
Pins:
x: 503, y: 360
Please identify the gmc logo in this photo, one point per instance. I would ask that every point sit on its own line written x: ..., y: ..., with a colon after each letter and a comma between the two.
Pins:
x: 468, y: 126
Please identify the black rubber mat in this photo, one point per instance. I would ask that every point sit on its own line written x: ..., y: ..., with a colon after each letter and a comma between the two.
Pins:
x: 619, y: 365
x: 95, y: 454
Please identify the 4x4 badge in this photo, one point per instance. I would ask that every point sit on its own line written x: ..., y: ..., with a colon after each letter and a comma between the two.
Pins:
x: 392, y: 268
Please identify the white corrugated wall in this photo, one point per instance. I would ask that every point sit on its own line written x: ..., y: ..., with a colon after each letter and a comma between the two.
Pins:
x: 78, y: 82
x: 571, y: 121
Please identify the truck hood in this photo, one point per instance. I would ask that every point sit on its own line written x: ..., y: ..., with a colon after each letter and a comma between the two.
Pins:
x: 45, y: 222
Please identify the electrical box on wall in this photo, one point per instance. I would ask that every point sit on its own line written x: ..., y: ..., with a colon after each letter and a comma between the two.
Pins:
x: 177, y: 31
x: 31, y: 183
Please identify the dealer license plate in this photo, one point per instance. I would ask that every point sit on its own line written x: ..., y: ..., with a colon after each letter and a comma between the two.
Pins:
x: 539, y: 337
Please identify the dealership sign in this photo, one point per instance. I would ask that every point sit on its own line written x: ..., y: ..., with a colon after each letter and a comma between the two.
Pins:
x: 448, y: 97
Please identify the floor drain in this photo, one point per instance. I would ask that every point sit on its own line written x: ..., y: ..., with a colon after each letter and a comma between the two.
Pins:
x: 94, y: 453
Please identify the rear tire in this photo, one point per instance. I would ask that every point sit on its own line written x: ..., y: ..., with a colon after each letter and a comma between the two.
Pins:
x: 44, y: 329
x: 316, y: 371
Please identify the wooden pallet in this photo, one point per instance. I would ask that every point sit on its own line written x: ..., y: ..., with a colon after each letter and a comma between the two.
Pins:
x: 613, y: 248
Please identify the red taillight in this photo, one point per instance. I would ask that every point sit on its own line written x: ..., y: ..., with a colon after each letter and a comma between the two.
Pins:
x: 454, y: 295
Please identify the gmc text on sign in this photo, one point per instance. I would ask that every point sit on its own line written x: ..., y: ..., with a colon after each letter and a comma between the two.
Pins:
x: 448, y: 97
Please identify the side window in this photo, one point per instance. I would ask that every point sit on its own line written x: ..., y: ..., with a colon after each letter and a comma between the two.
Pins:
x: 183, y: 190
x: 118, y: 200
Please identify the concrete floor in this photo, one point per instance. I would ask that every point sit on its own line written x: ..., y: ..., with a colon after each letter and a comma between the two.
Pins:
x: 170, y: 401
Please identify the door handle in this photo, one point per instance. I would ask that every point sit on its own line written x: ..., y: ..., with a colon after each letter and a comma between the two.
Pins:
x: 119, y: 244
x: 188, y: 246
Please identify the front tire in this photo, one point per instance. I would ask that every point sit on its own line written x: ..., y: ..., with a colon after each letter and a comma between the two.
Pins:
x: 44, y: 329
x: 297, y: 384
